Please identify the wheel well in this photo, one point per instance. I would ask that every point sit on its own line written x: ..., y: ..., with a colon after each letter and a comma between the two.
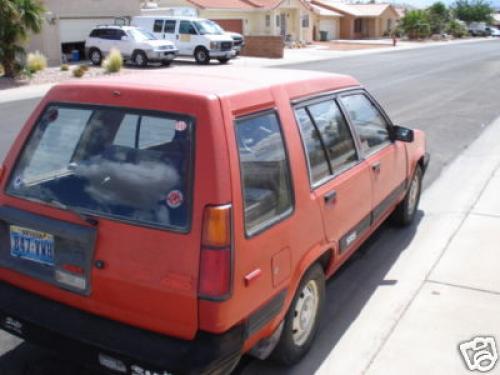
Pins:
x: 137, y: 51
x: 421, y: 163
x: 324, y: 260
x: 200, y: 47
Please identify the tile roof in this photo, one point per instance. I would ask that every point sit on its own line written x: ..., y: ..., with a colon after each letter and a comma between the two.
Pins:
x: 325, y: 12
x: 242, y: 4
x: 357, y: 10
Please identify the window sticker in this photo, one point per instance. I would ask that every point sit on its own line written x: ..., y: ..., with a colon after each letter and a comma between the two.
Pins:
x: 175, y: 199
x: 180, y: 126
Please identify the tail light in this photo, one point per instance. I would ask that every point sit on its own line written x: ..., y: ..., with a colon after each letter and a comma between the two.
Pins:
x: 216, y: 253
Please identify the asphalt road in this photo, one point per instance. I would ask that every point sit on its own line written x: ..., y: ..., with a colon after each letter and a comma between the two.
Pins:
x: 451, y: 92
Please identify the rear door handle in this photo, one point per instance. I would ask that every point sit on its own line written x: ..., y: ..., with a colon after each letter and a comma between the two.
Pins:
x: 376, y: 167
x: 330, y: 197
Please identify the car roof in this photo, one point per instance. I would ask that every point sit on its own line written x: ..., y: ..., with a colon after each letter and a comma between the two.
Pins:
x: 159, y: 17
x: 115, y: 27
x: 223, y: 82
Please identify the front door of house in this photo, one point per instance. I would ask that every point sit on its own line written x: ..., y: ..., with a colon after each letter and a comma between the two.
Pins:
x: 283, y: 25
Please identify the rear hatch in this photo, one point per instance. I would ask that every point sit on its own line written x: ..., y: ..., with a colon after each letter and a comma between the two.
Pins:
x: 97, y: 215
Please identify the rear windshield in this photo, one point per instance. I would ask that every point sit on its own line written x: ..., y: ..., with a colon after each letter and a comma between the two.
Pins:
x: 125, y: 164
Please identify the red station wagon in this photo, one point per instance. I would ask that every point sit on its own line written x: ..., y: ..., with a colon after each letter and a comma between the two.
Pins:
x: 172, y: 222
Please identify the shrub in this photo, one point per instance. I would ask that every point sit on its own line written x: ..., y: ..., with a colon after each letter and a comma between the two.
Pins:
x: 78, y: 72
x: 2, y: 72
x: 64, y: 67
x: 85, y: 68
x: 114, y: 62
x: 36, y: 62
x: 415, y: 24
x: 456, y: 28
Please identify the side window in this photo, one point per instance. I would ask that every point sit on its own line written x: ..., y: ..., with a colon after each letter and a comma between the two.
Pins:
x: 187, y: 27
x: 170, y: 26
x: 316, y: 157
x: 327, y: 139
x: 368, y: 122
x: 265, y: 173
x: 120, y: 34
x: 96, y: 33
x: 158, y: 26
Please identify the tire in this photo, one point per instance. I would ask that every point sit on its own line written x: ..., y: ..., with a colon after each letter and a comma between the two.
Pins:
x: 223, y: 60
x: 406, y: 210
x: 202, y: 56
x: 95, y: 56
x: 166, y: 62
x: 300, y: 325
x: 140, y: 59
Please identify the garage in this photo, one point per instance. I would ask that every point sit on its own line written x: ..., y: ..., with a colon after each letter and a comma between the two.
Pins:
x: 329, y: 25
x: 78, y: 29
x: 234, y: 25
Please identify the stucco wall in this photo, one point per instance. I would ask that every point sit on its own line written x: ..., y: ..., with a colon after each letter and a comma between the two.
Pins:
x: 93, y: 8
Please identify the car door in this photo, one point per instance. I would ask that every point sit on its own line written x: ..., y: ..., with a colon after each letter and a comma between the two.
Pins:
x: 340, y: 180
x: 387, y: 159
x: 186, y: 39
x: 169, y: 31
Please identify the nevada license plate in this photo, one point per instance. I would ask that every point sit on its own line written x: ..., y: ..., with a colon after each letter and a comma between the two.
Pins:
x: 32, y: 245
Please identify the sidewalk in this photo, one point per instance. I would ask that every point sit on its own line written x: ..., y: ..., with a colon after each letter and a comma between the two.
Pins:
x: 448, y: 279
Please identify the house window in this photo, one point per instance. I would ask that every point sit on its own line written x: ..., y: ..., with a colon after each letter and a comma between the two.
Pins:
x: 358, y: 25
x: 268, y: 20
x: 305, y: 21
x: 278, y: 20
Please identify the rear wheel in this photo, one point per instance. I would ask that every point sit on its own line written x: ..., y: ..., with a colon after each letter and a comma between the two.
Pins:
x: 140, y: 59
x: 302, y: 319
x: 166, y: 62
x: 95, y: 56
x: 202, y: 56
x: 406, y: 210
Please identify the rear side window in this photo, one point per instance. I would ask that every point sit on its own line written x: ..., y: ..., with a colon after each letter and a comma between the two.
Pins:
x: 265, y: 173
x: 186, y: 27
x: 327, y: 139
x: 158, y: 26
x: 170, y: 26
x: 370, y: 125
x: 124, y: 164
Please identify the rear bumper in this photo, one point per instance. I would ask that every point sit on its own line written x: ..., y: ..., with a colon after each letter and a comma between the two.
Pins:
x: 84, y: 337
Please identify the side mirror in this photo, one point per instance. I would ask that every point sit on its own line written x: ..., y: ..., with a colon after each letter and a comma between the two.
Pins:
x: 125, y: 38
x: 400, y: 133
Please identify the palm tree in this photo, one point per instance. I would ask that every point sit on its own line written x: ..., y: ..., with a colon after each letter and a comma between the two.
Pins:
x: 18, y: 18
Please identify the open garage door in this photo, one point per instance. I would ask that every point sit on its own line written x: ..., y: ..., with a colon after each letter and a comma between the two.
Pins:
x: 234, y: 25
x: 76, y: 30
x: 330, y: 26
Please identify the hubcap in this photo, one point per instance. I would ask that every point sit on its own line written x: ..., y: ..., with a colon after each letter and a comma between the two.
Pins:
x: 305, y: 312
x: 95, y: 57
x: 202, y: 56
x: 413, y: 195
x: 139, y: 60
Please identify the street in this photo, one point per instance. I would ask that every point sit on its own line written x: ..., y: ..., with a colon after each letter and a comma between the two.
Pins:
x: 450, y: 92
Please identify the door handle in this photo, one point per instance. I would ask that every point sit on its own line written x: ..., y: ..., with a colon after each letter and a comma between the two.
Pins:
x: 330, y: 197
x: 376, y: 167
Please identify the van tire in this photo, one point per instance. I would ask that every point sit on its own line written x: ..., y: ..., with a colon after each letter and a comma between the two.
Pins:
x: 405, y: 211
x: 202, y: 56
x: 95, y: 56
x: 291, y: 349
x: 140, y: 59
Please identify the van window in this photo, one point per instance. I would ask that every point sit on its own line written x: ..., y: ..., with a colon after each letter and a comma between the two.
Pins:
x: 128, y: 165
x: 368, y: 122
x: 265, y: 173
x: 158, y: 26
x: 186, y: 27
x: 170, y: 26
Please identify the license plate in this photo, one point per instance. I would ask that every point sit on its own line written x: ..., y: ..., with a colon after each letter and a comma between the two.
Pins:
x: 32, y: 245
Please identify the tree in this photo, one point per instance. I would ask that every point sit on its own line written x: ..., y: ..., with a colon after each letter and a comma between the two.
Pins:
x: 415, y: 24
x: 473, y: 10
x: 438, y: 15
x: 17, y: 19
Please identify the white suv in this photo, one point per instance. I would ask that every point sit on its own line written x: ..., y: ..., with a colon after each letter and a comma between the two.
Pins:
x: 198, y: 37
x: 135, y: 44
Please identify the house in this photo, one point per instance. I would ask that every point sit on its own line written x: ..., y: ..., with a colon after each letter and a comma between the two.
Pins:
x: 295, y: 20
x: 495, y: 20
x: 68, y: 22
x: 363, y: 20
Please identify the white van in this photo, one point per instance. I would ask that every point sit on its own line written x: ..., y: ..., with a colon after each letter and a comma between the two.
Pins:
x: 193, y: 36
